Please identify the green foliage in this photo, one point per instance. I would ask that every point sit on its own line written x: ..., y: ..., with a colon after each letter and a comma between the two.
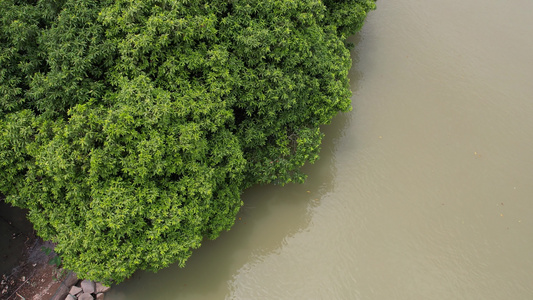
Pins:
x: 55, y: 259
x: 47, y: 250
x: 130, y: 128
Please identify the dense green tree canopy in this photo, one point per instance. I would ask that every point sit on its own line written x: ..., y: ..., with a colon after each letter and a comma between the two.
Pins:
x: 129, y: 128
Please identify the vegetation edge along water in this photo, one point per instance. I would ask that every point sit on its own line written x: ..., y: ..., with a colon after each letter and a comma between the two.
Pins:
x: 129, y: 129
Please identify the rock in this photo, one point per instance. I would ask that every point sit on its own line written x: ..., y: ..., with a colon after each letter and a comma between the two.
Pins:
x: 85, y: 296
x: 88, y: 286
x: 101, y: 288
x: 63, y: 289
x: 70, y: 297
x: 75, y: 290
x: 100, y: 296
x: 71, y: 279
x: 61, y: 293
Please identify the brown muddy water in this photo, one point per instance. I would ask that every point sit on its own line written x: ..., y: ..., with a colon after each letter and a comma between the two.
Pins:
x: 423, y: 191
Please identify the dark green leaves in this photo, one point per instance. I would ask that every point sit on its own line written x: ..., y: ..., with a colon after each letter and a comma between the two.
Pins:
x: 130, y: 128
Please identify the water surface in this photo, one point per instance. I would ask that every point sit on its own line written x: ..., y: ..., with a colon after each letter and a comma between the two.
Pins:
x: 423, y: 191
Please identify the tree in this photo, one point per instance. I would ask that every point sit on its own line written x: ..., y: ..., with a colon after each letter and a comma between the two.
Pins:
x: 130, y: 128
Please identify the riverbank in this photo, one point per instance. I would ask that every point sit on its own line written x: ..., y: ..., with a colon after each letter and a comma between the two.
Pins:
x: 28, y: 269
x: 25, y: 268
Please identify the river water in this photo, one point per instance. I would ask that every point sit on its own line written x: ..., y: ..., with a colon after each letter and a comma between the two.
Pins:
x: 423, y: 191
